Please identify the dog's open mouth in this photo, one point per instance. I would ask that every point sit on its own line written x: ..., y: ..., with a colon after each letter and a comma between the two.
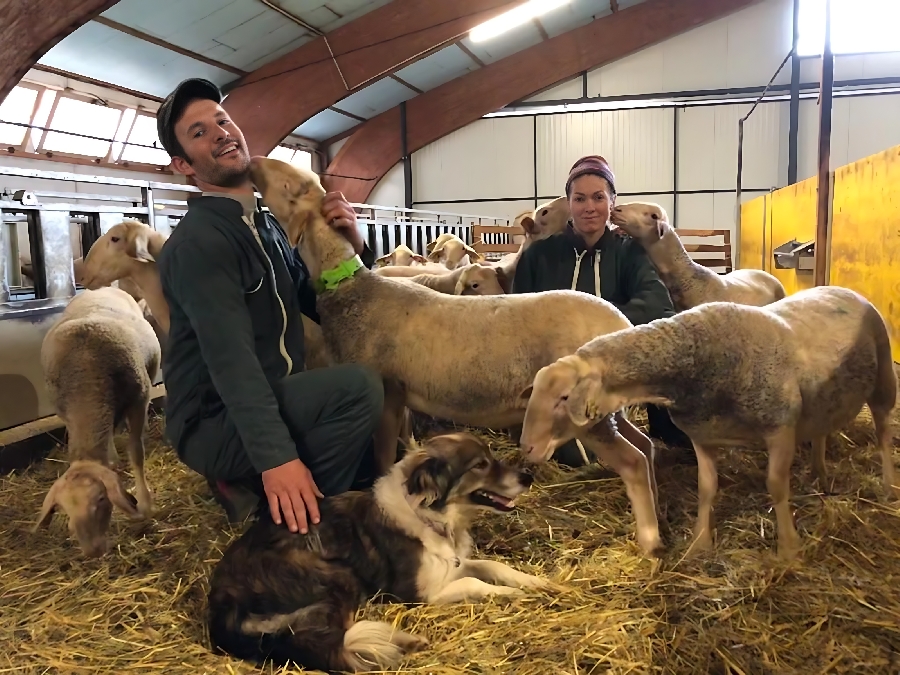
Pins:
x: 492, y: 500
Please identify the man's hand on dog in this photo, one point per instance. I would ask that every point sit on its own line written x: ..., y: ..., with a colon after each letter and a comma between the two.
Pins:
x: 291, y: 490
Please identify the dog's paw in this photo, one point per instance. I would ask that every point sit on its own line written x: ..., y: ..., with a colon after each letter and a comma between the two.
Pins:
x: 408, y: 642
x: 507, y: 591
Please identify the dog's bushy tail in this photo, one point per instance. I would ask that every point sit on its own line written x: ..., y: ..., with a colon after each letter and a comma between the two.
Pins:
x: 375, y: 645
x: 313, y: 637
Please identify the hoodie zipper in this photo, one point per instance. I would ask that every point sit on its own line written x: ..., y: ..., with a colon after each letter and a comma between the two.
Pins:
x: 281, y: 345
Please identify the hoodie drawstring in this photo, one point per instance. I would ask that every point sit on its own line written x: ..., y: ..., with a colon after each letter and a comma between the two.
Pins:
x: 578, y: 257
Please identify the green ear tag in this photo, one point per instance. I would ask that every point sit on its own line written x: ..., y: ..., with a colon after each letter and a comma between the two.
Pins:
x: 330, y: 279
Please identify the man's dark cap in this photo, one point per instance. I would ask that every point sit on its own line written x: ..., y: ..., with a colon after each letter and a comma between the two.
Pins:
x: 172, y: 108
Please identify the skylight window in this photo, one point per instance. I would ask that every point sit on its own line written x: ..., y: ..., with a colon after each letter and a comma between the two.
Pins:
x: 17, y: 107
x: 300, y: 158
x: 857, y: 26
x: 144, y: 132
x: 42, y: 116
x: 82, y: 118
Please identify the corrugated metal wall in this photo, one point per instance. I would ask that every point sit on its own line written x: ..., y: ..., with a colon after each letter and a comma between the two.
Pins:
x: 492, y: 162
x: 489, y: 158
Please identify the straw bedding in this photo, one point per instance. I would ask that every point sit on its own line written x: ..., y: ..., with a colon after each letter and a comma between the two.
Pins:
x: 735, y: 610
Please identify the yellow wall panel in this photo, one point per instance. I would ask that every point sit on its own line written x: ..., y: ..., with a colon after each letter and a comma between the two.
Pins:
x: 792, y: 216
x: 753, y: 227
x: 865, y: 234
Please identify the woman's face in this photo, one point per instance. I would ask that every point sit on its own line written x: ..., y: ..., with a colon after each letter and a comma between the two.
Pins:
x: 590, y: 203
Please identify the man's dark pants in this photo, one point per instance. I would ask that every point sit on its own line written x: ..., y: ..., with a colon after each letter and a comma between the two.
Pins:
x: 331, y: 414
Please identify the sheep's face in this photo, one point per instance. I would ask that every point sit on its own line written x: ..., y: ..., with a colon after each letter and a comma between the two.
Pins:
x: 479, y: 280
x: 644, y: 221
x: 293, y: 194
x: 402, y: 256
x: 453, y: 252
x: 86, y: 493
x: 549, y: 219
x: 115, y: 254
x: 565, y: 399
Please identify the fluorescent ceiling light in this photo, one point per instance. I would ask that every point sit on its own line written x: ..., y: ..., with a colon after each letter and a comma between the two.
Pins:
x: 513, y: 18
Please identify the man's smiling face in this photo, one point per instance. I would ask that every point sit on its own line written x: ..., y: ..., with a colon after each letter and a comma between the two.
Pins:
x: 215, y: 145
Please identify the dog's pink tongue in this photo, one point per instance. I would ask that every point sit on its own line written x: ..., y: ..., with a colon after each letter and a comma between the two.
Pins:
x: 501, y: 500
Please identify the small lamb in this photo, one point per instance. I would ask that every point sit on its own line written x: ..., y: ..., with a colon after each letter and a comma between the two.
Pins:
x: 688, y: 283
x: 730, y: 374
x: 99, y: 361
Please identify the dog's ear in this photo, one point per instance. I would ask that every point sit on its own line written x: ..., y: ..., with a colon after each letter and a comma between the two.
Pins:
x: 581, y: 403
x: 432, y: 480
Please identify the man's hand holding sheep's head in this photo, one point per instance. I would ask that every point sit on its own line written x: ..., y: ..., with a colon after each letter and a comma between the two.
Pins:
x: 342, y: 218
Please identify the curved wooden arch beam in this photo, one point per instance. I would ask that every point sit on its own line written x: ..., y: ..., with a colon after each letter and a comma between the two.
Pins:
x: 29, y: 29
x: 272, y: 101
x: 372, y: 150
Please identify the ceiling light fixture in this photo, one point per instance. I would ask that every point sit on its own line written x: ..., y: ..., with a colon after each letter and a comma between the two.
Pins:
x: 513, y: 18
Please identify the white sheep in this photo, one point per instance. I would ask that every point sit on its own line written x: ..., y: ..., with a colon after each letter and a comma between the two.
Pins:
x: 411, y: 270
x: 126, y: 254
x: 498, y: 342
x: 552, y: 216
x: 468, y: 280
x: 401, y: 256
x: 452, y: 252
x: 99, y: 361
x: 506, y: 265
x: 790, y: 372
x: 689, y: 283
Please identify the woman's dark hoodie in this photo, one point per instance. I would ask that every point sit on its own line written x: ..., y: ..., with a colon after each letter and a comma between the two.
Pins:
x: 616, y: 268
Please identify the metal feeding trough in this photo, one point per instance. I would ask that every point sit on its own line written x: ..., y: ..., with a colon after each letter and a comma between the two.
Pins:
x: 795, y: 256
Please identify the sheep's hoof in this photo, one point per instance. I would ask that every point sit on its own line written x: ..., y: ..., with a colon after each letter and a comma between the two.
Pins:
x: 700, y: 544
x: 651, y: 545
x: 788, y: 550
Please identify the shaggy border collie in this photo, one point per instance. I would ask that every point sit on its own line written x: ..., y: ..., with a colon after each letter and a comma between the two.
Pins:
x: 284, y: 597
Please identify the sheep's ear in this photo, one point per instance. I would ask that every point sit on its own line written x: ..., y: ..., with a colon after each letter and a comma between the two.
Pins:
x: 382, y: 261
x: 459, y: 288
x: 296, y: 226
x: 420, y: 258
x: 114, y: 490
x: 525, y: 396
x: 139, y: 247
x: 529, y: 225
x: 660, y: 228
x: 435, y: 253
x: 504, y: 280
x: 473, y: 253
x: 430, y: 246
x: 48, y: 508
x: 581, y: 403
